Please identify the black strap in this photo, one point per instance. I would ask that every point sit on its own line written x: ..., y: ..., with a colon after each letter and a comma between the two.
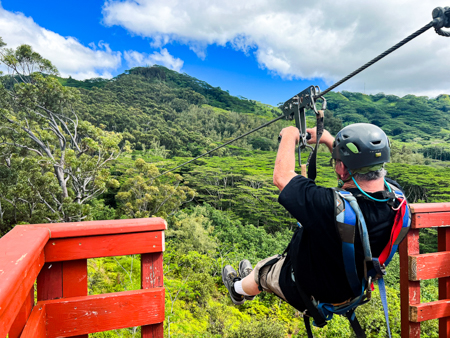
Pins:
x: 355, y: 325
x: 319, y: 320
x: 286, y: 250
x: 308, y: 326
x: 312, y: 159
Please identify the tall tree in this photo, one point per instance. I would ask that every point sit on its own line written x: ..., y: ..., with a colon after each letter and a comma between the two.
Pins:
x: 145, y: 195
x: 38, y: 119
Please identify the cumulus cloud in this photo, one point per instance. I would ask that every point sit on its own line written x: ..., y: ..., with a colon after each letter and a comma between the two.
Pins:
x: 324, y: 39
x: 66, y: 53
x: 135, y: 59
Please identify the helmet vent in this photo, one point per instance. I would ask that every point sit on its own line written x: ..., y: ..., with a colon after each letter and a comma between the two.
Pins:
x: 345, y: 136
x: 352, y: 147
x: 376, y: 142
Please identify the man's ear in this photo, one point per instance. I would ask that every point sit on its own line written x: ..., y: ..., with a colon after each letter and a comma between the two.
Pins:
x: 342, y: 171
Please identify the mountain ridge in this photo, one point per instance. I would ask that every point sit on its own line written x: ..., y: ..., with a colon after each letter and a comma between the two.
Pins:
x: 158, y: 91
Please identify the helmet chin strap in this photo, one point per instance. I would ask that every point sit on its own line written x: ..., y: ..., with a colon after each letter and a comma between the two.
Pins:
x: 366, y: 194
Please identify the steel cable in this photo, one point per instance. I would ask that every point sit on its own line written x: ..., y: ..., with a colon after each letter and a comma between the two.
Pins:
x: 359, y: 70
x: 223, y: 145
x: 378, y: 58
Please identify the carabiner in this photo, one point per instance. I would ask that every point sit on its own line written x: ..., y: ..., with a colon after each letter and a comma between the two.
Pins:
x: 324, y: 101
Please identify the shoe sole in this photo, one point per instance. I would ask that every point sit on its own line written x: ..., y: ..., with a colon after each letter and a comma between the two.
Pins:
x: 229, y: 293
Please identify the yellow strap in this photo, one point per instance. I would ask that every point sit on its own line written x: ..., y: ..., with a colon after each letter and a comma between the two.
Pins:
x: 304, y: 170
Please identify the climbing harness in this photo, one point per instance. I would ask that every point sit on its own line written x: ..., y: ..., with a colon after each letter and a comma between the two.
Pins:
x: 348, y: 217
x: 295, y: 107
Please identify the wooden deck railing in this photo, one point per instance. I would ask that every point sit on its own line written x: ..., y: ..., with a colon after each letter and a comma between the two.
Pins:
x: 415, y: 267
x: 55, y: 255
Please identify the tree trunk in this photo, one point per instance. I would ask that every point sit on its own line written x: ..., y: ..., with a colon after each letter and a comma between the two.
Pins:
x: 62, y: 182
x: 15, y: 214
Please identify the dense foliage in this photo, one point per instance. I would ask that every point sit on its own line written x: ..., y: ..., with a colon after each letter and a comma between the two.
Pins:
x: 220, y: 209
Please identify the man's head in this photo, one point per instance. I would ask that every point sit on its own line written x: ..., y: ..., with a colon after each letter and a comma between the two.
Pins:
x: 362, y: 149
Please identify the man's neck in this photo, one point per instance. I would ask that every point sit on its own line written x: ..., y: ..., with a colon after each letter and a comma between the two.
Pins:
x: 367, y: 186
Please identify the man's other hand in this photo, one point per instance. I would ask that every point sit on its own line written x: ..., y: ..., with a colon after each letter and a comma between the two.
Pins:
x: 326, y: 138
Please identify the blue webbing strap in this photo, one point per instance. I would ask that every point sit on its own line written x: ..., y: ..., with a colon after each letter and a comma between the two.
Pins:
x: 348, y: 250
x: 362, y: 230
x: 327, y: 309
x: 407, y: 218
x: 352, y: 216
x: 382, y: 288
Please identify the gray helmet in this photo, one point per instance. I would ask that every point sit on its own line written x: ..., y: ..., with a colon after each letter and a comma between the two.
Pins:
x: 361, y: 145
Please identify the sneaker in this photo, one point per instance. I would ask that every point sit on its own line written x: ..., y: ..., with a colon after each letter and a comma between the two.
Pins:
x: 229, y: 276
x: 245, y: 268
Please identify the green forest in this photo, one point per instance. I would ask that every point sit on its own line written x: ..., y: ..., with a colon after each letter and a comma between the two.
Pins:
x: 93, y: 150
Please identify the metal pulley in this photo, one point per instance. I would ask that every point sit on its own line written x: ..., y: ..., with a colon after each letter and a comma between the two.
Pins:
x: 441, y: 18
x: 295, y: 108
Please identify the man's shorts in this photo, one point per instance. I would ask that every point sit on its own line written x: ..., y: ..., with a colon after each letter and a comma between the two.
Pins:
x: 269, y: 276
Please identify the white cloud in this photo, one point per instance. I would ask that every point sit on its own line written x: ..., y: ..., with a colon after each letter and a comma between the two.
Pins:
x: 297, y: 38
x: 135, y: 59
x: 66, y: 53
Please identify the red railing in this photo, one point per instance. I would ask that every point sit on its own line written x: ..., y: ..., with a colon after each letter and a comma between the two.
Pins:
x: 415, y: 267
x: 56, y: 256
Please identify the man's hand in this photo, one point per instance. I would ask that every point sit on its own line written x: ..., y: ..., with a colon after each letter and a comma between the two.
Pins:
x: 291, y: 132
x: 326, y: 138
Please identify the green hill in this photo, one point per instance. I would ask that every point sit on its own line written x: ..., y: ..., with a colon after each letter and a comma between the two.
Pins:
x: 150, y: 100
x: 409, y: 118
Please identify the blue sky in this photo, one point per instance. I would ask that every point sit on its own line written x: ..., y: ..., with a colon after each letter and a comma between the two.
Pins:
x: 264, y: 50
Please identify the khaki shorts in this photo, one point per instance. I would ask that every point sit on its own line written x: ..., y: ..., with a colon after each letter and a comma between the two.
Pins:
x: 269, y: 276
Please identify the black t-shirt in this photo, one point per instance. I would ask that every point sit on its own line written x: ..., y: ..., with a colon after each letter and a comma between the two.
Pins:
x: 320, y: 251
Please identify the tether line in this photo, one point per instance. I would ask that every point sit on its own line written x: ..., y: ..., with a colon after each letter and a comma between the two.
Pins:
x: 223, y: 145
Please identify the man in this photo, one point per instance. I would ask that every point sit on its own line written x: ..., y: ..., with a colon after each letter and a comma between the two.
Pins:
x: 359, y: 153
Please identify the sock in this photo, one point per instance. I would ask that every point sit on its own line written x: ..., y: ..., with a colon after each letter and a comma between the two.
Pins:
x: 238, y: 288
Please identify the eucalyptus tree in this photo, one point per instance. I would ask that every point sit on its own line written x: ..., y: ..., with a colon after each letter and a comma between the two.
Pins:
x: 38, y: 119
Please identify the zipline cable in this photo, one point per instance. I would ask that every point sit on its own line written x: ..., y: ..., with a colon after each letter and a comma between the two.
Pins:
x: 378, y: 58
x: 441, y: 18
x: 223, y: 145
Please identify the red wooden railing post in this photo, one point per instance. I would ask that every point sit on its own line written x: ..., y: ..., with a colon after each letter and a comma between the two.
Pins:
x: 74, y: 278
x: 21, y: 259
x: 22, y: 317
x: 74, y: 281
x: 409, y: 290
x: 415, y: 267
x: 444, y: 283
x: 56, y: 256
x: 49, y: 282
x: 63, y: 280
x: 152, y: 277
